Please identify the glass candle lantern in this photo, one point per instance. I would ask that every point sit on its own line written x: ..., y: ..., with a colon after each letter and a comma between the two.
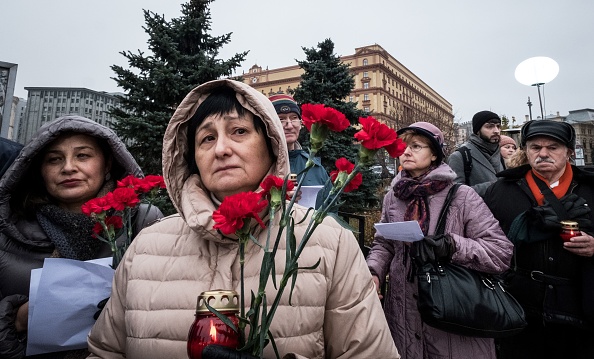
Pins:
x: 208, y: 328
x: 569, y: 229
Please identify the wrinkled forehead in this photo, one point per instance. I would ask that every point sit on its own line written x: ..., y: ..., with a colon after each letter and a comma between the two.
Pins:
x: 544, y: 141
x: 226, y: 116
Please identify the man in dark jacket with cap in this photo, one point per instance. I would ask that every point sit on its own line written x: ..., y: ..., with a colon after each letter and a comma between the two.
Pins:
x: 552, y: 279
x: 483, y: 159
x: 290, y: 116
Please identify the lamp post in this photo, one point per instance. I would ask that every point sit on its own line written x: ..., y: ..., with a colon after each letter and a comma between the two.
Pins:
x: 537, y: 71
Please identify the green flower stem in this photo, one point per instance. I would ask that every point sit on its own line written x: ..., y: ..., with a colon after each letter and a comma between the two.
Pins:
x: 242, y: 243
x: 244, y: 237
x: 366, y: 156
x: 259, y: 318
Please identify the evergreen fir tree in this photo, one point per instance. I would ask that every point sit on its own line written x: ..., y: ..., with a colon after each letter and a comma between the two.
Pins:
x: 182, y: 56
x: 328, y: 81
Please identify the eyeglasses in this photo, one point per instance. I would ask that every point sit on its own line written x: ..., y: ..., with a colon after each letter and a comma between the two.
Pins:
x: 292, y: 121
x: 416, y: 147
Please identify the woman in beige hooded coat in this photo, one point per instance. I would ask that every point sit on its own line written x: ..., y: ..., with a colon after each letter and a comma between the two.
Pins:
x: 335, y: 310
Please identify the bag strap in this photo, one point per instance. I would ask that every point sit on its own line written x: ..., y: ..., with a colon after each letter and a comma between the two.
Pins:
x: 444, y: 210
x: 467, y: 160
x: 551, y: 198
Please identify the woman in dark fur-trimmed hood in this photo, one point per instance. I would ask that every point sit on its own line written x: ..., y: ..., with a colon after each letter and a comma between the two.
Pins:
x: 69, y: 161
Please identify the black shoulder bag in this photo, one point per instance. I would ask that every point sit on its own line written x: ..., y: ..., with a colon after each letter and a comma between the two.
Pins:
x: 463, y: 301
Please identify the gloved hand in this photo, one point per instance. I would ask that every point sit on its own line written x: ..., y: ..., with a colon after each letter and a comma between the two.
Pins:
x: 433, y: 248
x: 100, y: 305
x: 214, y: 351
x: 576, y: 207
x: 12, y: 344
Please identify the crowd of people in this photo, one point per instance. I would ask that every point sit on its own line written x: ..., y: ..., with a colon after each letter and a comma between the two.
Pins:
x: 224, y: 138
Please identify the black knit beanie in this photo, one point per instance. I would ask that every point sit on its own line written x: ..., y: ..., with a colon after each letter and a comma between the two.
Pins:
x: 480, y: 118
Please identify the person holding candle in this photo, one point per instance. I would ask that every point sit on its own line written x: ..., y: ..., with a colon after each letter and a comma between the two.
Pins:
x: 551, y: 278
x: 224, y: 138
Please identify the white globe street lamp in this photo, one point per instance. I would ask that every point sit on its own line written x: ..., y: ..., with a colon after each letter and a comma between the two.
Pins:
x: 537, y: 71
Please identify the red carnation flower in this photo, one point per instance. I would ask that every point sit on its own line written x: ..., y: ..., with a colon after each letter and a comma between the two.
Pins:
x: 123, y: 197
x: 344, y: 165
x: 115, y: 221
x: 276, y: 182
x: 142, y: 185
x: 333, y: 119
x: 97, y: 229
x: 111, y: 222
x: 375, y: 135
x: 234, y: 209
x: 154, y: 181
x: 96, y: 205
x: 129, y: 181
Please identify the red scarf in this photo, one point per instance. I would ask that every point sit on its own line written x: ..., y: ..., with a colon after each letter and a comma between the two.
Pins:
x: 559, y: 190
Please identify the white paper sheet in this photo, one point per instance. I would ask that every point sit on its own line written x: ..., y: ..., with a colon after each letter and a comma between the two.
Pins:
x: 408, y: 231
x: 63, y: 299
x: 309, y: 195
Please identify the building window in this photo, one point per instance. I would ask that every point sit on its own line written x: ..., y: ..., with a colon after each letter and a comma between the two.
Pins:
x: 366, y: 109
x: 365, y: 62
x: 365, y: 74
x: 366, y: 85
x: 351, y: 98
x: 366, y: 97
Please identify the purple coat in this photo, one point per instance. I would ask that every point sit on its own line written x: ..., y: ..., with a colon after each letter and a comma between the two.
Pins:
x: 480, y: 244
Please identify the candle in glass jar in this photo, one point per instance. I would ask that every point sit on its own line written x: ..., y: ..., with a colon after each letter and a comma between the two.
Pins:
x: 208, y: 328
x: 569, y: 229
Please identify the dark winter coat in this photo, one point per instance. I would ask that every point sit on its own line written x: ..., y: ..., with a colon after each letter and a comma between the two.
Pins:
x: 316, y: 176
x: 483, y: 170
x: 480, y: 245
x: 545, y: 278
x: 23, y: 243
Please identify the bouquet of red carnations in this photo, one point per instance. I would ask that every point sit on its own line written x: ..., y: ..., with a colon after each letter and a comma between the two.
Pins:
x: 115, y: 211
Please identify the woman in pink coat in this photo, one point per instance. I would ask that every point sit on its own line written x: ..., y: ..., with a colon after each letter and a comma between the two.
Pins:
x: 473, y: 239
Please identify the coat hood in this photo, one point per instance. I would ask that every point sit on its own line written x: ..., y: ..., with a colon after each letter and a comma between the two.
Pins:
x: 189, y: 196
x: 21, y: 168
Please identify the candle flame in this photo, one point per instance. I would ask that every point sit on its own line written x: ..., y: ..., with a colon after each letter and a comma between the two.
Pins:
x: 213, y: 331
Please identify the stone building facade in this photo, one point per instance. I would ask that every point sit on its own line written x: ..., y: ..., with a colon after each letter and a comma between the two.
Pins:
x: 384, y: 88
x: 47, y: 103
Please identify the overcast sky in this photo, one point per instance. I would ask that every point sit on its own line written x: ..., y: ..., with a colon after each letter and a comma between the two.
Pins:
x: 467, y: 50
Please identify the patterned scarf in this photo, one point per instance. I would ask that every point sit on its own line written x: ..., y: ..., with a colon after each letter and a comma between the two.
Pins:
x: 69, y: 232
x: 415, y: 191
